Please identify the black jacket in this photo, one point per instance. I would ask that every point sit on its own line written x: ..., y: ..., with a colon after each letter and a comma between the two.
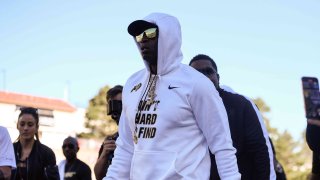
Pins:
x: 247, y: 136
x: 312, y: 135
x: 77, y: 170
x: 41, y: 157
x: 316, y: 163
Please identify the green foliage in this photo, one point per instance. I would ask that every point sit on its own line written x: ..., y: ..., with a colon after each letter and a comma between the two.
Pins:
x: 294, y: 156
x: 263, y: 107
x: 97, y: 106
x: 97, y: 120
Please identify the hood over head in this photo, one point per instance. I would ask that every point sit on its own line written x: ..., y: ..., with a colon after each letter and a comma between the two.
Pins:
x: 169, y: 40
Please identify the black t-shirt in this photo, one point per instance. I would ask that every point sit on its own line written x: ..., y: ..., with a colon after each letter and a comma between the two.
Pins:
x: 316, y: 163
x: 77, y: 170
x: 22, y: 166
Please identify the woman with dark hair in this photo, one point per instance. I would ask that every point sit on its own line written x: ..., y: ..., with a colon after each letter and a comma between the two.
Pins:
x: 34, y: 160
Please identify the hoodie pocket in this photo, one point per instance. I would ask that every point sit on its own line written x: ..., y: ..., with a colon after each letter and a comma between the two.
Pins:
x: 155, y: 165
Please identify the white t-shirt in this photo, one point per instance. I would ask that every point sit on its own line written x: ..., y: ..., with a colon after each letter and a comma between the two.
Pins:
x: 61, y: 167
x: 6, y: 149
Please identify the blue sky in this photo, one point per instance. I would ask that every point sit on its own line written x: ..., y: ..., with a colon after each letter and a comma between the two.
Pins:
x: 262, y: 48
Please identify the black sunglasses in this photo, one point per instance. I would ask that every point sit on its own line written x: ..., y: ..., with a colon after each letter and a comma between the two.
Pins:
x: 70, y: 146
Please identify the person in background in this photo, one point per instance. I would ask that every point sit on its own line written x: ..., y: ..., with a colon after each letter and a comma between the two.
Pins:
x: 106, y: 152
x: 253, y: 157
x: 313, y: 140
x: 73, y: 168
x: 34, y: 160
x: 7, y: 159
x: 276, y: 165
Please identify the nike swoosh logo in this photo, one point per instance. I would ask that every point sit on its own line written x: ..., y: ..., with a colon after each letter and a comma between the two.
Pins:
x: 172, y: 87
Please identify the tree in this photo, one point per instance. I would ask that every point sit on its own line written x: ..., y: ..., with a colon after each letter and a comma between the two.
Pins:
x: 294, y: 156
x: 97, y: 120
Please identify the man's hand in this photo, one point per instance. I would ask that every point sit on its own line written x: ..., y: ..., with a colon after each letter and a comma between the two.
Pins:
x: 102, y: 164
x: 109, y: 145
x: 314, y: 122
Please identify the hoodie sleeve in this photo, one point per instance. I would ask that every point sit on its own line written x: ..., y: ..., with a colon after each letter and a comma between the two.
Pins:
x: 212, y: 119
x: 7, y: 157
x: 121, y: 162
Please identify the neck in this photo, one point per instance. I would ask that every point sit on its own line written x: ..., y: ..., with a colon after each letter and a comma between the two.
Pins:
x: 153, y: 69
x: 26, y: 143
x: 71, y: 160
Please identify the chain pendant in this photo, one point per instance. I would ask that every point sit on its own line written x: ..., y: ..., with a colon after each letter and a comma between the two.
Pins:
x: 151, y: 93
x: 135, y: 138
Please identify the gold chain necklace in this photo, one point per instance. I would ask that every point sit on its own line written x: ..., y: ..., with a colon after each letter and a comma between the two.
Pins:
x: 151, y: 88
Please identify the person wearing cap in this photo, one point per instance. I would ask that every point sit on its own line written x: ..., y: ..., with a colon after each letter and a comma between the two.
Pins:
x: 248, y: 132
x: 73, y: 168
x: 171, y: 113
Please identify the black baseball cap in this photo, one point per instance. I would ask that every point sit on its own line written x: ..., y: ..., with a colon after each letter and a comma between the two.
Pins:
x: 138, y: 26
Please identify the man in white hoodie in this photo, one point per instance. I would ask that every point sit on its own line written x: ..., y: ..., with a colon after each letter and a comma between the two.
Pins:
x: 7, y: 158
x: 171, y: 113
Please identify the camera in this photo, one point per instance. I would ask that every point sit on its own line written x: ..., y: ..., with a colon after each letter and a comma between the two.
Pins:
x: 114, y: 109
x: 113, y: 137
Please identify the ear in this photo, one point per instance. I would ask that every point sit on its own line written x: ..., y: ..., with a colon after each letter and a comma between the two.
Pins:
x: 218, y: 77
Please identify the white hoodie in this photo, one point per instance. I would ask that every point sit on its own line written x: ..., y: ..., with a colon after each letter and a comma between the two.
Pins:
x: 174, y: 132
